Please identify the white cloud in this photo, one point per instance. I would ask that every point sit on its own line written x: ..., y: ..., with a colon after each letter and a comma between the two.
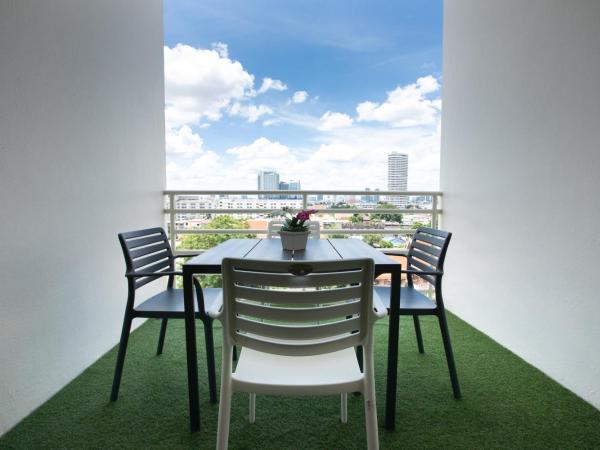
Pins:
x: 350, y: 155
x: 356, y: 157
x: 204, y: 172
x: 334, y: 120
x: 405, y: 106
x: 176, y: 117
x: 299, y: 97
x: 269, y: 83
x: 262, y: 148
x: 250, y: 112
x: 183, y: 141
x: 239, y: 165
x: 428, y: 84
x: 221, y: 49
x: 352, y: 158
x: 200, y: 83
x: 269, y: 122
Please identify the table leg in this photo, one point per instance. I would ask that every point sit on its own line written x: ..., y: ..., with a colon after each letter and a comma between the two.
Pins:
x: 190, y: 345
x: 393, y: 338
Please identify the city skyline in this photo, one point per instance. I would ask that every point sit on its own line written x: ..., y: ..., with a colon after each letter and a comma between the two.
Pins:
x: 255, y: 87
x: 269, y: 180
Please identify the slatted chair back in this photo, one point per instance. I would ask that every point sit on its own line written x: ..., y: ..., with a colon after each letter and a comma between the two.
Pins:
x: 147, y: 251
x: 427, y: 252
x: 297, y: 308
x: 313, y: 225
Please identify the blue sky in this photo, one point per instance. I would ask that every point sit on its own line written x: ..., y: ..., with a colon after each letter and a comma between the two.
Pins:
x: 346, y: 83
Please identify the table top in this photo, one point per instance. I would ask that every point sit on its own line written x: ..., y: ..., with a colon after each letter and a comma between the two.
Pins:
x: 270, y: 249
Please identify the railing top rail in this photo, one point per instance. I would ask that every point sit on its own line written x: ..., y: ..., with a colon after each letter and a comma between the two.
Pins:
x: 319, y: 211
x: 395, y: 230
x: 301, y: 192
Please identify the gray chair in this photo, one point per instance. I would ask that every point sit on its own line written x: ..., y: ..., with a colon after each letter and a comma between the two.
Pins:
x: 425, y: 259
x: 148, y: 257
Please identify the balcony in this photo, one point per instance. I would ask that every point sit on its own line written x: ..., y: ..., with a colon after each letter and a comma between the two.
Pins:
x: 82, y: 158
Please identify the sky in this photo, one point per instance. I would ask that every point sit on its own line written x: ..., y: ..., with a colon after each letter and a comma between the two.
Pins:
x: 320, y: 91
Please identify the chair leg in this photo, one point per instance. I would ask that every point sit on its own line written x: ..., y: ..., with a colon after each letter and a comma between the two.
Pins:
x: 121, y: 356
x: 371, y: 416
x: 252, y: 409
x: 224, y: 416
x: 449, y: 355
x: 161, y: 337
x: 418, y: 333
x: 344, y: 407
x: 210, y: 360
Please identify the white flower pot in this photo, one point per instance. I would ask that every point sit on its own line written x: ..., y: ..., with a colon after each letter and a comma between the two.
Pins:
x: 294, y: 240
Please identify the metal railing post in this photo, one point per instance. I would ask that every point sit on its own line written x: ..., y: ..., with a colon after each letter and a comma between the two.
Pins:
x: 172, y: 235
x: 434, y: 213
x: 304, y: 201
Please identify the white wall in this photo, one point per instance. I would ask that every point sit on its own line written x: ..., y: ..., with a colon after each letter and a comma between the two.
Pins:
x: 520, y: 175
x: 81, y: 158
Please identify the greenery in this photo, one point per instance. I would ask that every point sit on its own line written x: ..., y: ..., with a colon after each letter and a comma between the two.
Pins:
x: 207, y: 241
x: 391, y: 217
x: 416, y: 225
x: 356, y: 218
x: 342, y: 205
x: 376, y: 240
x: 506, y: 404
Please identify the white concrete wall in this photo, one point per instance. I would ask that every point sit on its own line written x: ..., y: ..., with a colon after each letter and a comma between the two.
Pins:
x: 81, y: 158
x: 521, y: 179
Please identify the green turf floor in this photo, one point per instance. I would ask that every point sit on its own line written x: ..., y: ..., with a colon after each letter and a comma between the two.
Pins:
x: 506, y: 403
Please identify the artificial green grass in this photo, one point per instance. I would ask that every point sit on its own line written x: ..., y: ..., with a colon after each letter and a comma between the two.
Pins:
x: 506, y: 403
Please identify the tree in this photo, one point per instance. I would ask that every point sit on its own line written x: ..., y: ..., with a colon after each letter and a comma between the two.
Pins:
x: 372, y: 239
x: 207, y: 241
x: 356, y: 218
x: 416, y: 225
x: 341, y: 205
x: 385, y: 244
x: 391, y: 217
x: 377, y: 241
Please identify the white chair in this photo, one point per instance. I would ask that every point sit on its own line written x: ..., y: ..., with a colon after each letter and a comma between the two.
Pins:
x: 289, y: 349
x: 313, y: 225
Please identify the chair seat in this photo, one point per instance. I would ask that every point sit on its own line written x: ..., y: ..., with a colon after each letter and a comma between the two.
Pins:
x: 410, y: 299
x: 169, y: 303
x: 266, y: 373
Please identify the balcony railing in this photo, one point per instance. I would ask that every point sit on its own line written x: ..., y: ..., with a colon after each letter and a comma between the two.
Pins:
x: 187, y: 211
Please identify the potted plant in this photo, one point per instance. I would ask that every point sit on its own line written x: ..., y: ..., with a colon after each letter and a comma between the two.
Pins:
x: 294, y: 232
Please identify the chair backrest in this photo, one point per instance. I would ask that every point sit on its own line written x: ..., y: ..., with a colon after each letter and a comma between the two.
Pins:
x: 427, y: 252
x: 147, y: 251
x: 297, y: 308
x: 313, y: 225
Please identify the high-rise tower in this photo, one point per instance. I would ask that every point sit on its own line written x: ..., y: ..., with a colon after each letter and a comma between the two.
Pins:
x: 268, y: 180
x: 398, y: 177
